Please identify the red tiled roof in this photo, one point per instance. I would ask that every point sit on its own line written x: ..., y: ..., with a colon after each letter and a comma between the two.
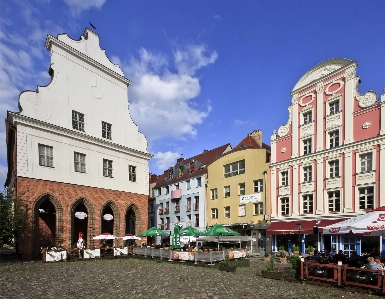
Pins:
x: 205, y: 158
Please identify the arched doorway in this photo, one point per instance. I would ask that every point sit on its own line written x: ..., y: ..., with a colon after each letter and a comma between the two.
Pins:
x: 108, y: 220
x: 46, y: 223
x: 130, y: 222
x: 80, y: 223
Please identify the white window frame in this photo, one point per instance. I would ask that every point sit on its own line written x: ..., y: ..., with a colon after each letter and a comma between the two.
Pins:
x: 132, y: 173
x: 362, y: 158
x: 79, y: 162
x: 235, y: 168
x: 225, y: 192
x: 45, y: 153
x: 332, y: 110
x: 308, y: 204
x: 258, y: 186
x: 242, y: 188
x: 307, y: 173
x: 214, y: 193
x: 258, y: 208
x: 106, y: 130
x: 198, y: 182
x: 214, y: 213
x: 307, y: 117
x: 107, y: 168
x: 334, y: 168
x: 287, y: 206
x: 334, y: 138
x: 226, y: 211
x: 332, y: 198
x: 284, y: 178
x: 366, y: 196
x: 188, y: 185
x: 166, y: 190
x: 78, y: 121
x: 306, y: 147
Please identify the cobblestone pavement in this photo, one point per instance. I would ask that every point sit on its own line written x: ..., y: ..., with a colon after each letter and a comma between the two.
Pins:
x: 132, y: 278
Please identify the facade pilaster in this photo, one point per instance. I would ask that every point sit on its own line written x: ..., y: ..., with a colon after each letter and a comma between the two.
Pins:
x: 347, y: 182
x: 294, y: 126
x: 295, y: 195
x: 319, y: 119
x: 382, y: 175
x: 319, y: 186
x: 273, y: 191
x: 382, y: 129
x: 350, y: 90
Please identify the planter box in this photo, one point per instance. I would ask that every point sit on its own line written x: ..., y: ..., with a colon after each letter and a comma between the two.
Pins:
x: 54, y: 256
x: 120, y: 251
x: 91, y: 253
x: 227, y: 268
x: 273, y: 275
x: 266, y: 258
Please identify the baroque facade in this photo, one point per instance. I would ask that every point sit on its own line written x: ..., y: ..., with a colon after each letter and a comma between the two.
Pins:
x: 327, y: 160
x: 75, y: 157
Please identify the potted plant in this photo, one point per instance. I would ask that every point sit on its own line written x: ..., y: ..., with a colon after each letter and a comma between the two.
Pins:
x: 226, y: 265
x: 310, y: 250
x: 295, y: 262
x: 281, y: 248
x: 296, y: 249
x: 266, y: 257
x: 271, y: 272
x: 283, y: 258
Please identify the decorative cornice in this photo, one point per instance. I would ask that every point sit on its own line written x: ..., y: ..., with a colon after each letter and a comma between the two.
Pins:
x: 320, y: 87
x: 334, y: 97
x: 334, y: 81
x: 77, y: 135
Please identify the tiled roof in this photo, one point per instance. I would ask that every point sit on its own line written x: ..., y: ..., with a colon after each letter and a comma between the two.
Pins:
x: 205, y: 158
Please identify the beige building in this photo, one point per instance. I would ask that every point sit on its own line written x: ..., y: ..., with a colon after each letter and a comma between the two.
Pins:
x: 236, y: 186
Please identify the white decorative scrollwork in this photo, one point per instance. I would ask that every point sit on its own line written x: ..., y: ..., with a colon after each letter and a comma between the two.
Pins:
x: 365, y: 100
x: 333, y: 126
x: 366, y: 125
x: 305, y: 96
x: 283, y: 130
x: 283, y: 150
x: 320, y: 87
x: 350, y: 74
x: 365, y: 148
x: 294, y: 99
x: 334, y: 117
x: 341, y: 84
x: 365, y: 177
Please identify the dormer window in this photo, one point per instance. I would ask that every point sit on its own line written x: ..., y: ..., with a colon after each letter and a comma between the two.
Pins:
x: 180, y: 170
x: 192, y: 167
x: 170, y: 173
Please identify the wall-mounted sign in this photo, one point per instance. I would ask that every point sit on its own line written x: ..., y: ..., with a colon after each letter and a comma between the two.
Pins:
x: 250, y: 198
x: 242, y: 210
x: 80, y: 215
x: 108, y: 217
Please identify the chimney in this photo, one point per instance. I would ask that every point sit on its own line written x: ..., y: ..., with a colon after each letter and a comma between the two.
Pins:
x: 257, y: 135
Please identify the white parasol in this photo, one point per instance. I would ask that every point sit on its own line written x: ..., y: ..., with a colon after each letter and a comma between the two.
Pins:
x: 130, y: 237
x: 104, y: 237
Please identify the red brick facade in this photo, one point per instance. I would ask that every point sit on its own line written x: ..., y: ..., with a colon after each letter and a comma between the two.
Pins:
x: 62, y: 200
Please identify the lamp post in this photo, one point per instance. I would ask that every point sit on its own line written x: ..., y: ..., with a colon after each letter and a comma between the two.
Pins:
x: 299, y: 226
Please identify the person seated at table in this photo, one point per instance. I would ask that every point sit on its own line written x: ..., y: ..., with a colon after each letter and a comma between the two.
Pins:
x: 332, y: 253
x: 377, y: 260
x: 340, y: 256
x: 372, y: 265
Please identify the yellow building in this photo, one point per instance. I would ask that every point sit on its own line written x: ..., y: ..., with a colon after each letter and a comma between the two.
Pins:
x: 236, y: 186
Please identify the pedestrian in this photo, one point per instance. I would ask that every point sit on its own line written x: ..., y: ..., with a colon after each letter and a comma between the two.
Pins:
x: 80, y: 244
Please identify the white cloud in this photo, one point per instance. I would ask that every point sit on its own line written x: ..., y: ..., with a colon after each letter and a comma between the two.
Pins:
x: 162, y: 101
x: 239, y: 122
x: 165, y: 160
x: 78, y: 6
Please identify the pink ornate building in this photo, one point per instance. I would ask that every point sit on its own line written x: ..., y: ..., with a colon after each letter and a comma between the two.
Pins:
x: 327, y: 159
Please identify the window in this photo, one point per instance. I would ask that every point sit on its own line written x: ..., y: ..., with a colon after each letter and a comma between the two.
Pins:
x: 188, y: 205
x: 167, y: 190
x: 192, y: 167
x: 366, y: 196
x: 334, y: 168
x: 45, y: 155
x: 242, y: 189
x: 196, y: 205
x: 227, y: 212
x: 158, y: 192
x: 196, y: 224
x: 258, y: 208
x: 107, y: 168
x: 308, y: 204
x: 132, y: 173
x: 284, y: 178
x: 334, y: 107
x: 177, y: 219
x: 242, y: 210
x: 214, y: 193
x: 188, y: 185
x: 307, y: 174
x: 285, y: 206
x: 349, y: 245
x: 77, y: 121
x: 214, y: 213
x: 334, y: 138
x: 106, y: 130
x: 80, y: 162
x: 258, y: 186
x: 188, y: 219
x: 170, y: 173
x: 227, y: 191
x: 180, y: 170
x: 234, y: 168
x: 199, y: 182
x: 307, y: 118
x: 334, y: 200
x: 366, y: 162
x: 307, y: 146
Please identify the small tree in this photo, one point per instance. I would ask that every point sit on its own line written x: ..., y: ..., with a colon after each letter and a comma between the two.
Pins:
x: 13, y: 219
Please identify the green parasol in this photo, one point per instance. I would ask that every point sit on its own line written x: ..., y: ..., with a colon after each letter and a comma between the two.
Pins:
x: 154, y: 232
x: 220, y: 230
x: 190, y: 231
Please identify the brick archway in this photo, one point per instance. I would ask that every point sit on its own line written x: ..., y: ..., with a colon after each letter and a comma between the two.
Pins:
x: 138, y: 218
x: 53, y: 226
x: 90, y: 225
x: 116, y: 219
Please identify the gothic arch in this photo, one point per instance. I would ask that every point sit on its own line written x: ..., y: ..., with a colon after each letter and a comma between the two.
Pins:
x: 90, y: 227
x: 47, y: 199
x: 115, y: 210
x: 138, y: 218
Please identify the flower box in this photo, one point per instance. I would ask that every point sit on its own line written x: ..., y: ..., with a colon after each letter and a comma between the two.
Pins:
x: 120, y: 251
x: 272, y: 274
x: 91, y: 253
x: 54, y: 256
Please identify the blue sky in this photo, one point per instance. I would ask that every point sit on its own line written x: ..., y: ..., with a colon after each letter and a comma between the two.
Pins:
x: 205, y: 72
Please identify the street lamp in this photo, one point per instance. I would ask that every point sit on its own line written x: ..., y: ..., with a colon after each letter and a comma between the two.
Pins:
x: 299, y: 226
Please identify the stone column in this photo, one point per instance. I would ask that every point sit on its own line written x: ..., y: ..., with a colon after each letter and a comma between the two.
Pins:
x: 350, y: 91
x: 294, y: 126
x: 347, y: 182
x: 319, y: 186
x: 295, y: 195
x: 319, y: 118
